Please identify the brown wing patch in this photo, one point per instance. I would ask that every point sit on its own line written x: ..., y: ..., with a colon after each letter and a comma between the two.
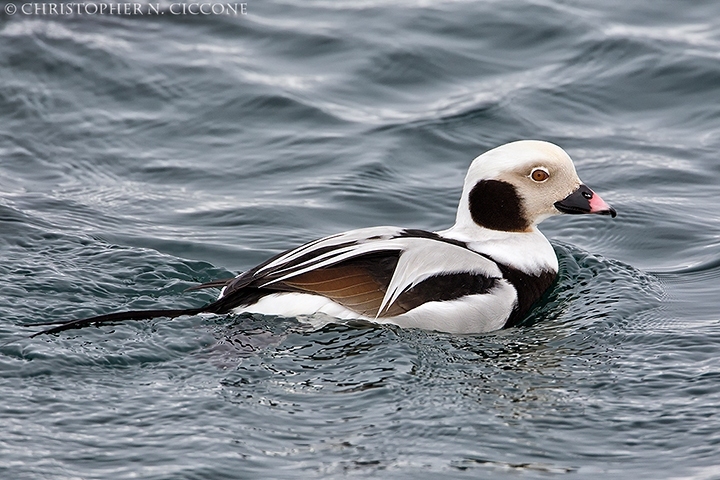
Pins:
x: 359, y: 284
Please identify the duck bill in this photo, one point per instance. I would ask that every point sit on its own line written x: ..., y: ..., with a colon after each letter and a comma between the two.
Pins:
x: 584, y: 200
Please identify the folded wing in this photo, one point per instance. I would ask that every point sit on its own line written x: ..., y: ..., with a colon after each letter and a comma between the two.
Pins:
x: 377, y: 272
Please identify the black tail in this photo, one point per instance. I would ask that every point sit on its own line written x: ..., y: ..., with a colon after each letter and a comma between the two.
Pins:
x: 220, y: 306
x: 116, y: 317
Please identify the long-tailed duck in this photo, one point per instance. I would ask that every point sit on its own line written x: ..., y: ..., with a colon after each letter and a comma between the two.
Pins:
x: 482, y: 274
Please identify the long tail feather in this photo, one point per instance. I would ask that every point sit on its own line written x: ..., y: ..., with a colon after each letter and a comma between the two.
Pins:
x: 115, y: 317
x: 214, y: 284
x: 220, y: 306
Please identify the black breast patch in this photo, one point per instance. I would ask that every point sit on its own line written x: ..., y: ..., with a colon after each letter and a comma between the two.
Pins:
x: 496, y: 205
x: 530, y: 288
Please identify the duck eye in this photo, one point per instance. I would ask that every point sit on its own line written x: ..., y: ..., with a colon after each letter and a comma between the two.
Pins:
x: 539, y: 175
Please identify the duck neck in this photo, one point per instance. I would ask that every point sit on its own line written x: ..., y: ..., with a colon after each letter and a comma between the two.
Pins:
x: 528, y: 251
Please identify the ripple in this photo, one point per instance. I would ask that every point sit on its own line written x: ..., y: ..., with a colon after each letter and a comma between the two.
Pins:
x: 599, y: 288
x: 141, y: 155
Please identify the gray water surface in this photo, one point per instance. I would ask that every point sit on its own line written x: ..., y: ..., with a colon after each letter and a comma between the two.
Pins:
x: 140, y: 155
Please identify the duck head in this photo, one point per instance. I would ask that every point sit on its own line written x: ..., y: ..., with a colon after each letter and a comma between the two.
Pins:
x: 516, y: 186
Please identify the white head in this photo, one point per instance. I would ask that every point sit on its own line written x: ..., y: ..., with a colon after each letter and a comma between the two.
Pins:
x: 515, y: 186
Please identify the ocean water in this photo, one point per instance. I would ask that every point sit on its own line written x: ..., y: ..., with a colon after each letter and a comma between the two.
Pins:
x: 142, y: 154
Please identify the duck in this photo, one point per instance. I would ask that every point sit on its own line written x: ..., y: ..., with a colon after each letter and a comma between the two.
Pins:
x: 482, y: 274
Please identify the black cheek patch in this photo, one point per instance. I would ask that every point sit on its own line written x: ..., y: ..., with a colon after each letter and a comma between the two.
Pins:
x: 496, y: 205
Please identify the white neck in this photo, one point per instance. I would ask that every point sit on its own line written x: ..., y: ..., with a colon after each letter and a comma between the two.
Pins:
x: 528, y: 251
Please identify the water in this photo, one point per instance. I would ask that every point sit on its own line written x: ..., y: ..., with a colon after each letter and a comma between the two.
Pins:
x: 142, y: 154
